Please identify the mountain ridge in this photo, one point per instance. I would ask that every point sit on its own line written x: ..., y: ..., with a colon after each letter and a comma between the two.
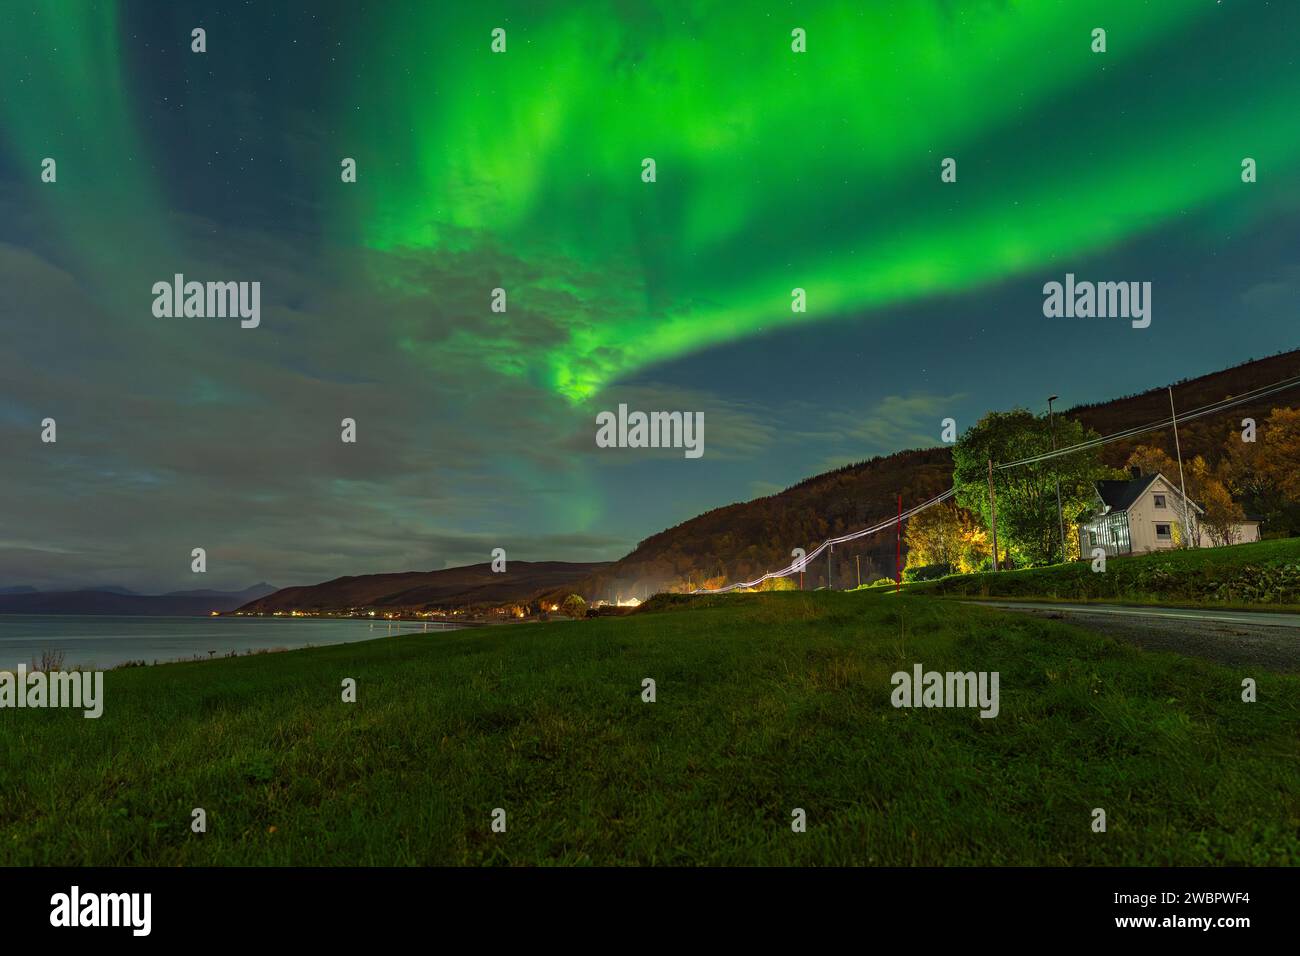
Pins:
x: 467, y: 586
x: 100, y: 601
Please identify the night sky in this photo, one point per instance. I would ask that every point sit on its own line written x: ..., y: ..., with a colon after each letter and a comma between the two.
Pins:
x: 523, y: 170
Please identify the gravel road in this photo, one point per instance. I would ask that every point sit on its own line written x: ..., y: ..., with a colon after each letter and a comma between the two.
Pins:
x: 1227, y: 637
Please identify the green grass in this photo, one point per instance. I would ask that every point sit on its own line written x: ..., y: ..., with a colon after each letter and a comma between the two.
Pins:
x: 1260, y: 575
x: 766, y: 702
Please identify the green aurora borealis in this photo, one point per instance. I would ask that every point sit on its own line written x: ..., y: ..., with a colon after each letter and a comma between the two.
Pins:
x: 775, y: 169
x: 778, y: 170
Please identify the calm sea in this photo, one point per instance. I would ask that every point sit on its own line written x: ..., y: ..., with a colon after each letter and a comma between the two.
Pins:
x: 102, y: 642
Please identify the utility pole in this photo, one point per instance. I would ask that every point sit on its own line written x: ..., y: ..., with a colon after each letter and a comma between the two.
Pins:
x: 1182, y: 487
x: 898, y: 551
x: 830, y: 568
x: 993, y: 514
x: 1060, y: 515
x: 859, y: 560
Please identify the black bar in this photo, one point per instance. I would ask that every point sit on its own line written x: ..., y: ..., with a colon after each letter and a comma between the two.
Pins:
x: 333, y: 906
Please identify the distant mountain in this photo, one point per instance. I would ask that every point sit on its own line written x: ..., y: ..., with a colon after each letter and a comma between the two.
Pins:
x: 475, y: 585
x: 248, y: 594
x: 99, y: 601
x: 104, y: 588
x: 742, y: 541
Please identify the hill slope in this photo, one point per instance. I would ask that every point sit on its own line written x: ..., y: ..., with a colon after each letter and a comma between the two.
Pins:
x: 744, y: 540
x: 1205, y: 436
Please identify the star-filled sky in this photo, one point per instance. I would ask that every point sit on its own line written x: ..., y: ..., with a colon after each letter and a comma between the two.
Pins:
x: 522, y: 170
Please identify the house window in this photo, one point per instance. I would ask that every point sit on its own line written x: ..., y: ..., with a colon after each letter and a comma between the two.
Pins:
x: 1162, y: 533
x: 1110, y: 532
x: 1160, y: 501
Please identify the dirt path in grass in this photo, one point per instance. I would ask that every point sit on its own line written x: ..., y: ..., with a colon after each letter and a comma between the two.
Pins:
x: 1226, y: 637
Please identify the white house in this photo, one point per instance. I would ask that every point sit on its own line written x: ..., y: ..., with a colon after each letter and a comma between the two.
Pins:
x: 1145, y: 514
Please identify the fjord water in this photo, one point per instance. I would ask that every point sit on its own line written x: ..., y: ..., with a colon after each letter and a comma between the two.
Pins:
x: 102, y: 642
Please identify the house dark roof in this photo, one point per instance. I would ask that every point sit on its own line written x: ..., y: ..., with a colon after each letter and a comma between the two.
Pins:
x: 1120, y: 495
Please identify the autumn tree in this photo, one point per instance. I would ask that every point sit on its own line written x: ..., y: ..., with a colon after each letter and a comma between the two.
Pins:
x: 1222, y: 516
x: 573, y: 606
x: 1259, y: 473
x: 1279, y: 454
x: 1152, y: 460
x: 945, y: 534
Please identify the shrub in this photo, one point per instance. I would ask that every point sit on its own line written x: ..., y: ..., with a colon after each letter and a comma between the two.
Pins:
x: 927, y: 572
x: 573, y: 606
x: 49, y: 662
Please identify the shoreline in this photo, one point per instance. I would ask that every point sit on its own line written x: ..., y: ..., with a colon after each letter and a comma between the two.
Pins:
x: 103, y: 642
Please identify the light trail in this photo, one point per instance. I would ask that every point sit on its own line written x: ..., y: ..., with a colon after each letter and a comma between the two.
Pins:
x: 795, y: 566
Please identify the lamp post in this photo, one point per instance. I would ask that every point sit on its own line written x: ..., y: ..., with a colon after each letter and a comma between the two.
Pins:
x: 1060, y: 514
x: 993, y: 515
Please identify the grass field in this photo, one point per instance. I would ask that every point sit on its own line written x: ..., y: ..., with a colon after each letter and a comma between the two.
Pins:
x: 1260, y: 575
x: 766, y: 702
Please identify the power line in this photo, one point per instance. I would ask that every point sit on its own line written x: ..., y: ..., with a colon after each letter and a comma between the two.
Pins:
x: 1213, y: 408
x: 795, y: 566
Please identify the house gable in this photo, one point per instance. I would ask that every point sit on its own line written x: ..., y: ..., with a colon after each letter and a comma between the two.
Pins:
x: 1156, y: 516
x: 1139, y: 496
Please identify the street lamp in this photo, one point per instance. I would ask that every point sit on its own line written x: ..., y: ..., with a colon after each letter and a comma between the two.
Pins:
x: 1060, y: 514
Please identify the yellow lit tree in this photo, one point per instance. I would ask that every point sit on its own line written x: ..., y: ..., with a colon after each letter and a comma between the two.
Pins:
x: 1279, y: 451
x: 945, y: 534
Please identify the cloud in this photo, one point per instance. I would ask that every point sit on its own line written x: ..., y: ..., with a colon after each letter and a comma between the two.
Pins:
x: 733, y: 430
x: 182, y: 433
x: 1275, y: 296
x: 890, y: 424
